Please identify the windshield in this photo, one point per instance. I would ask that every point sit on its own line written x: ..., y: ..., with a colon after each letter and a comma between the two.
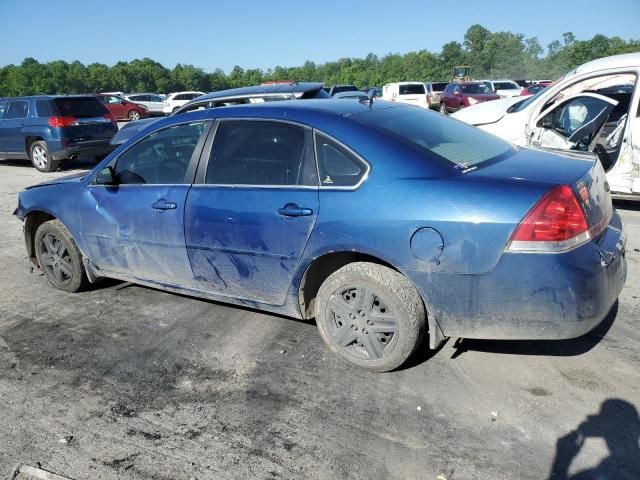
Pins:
x: 457, y: 143
x: 439, y: 87
x: 475, y: 88
x: 521, y: 105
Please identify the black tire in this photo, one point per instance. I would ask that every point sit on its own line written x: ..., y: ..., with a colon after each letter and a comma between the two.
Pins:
x: 377, y: 330
x: 133, y: 115
x: 40, y: 157
x: 175, y: 109
x: 59, y: 257
x: 443, y: 109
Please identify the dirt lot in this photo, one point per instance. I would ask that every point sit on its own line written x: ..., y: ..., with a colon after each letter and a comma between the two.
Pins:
x: 128, y: 382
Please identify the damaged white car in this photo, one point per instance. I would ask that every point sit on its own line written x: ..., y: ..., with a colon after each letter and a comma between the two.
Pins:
x: 593, y: 108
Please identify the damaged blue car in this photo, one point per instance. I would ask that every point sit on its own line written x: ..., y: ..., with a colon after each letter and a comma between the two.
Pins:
x: 382, y: 221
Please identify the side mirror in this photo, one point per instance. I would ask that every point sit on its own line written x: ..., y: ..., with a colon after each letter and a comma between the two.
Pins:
x: 123, y: 102
x: 546, y: 121
x: 106, y: 176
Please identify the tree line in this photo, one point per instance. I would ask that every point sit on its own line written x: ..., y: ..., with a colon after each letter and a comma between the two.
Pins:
x: 489, y: 54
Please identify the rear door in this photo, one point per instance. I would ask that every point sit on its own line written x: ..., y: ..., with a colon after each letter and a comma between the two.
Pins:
x: 250, y: 214
x: 135, y: 227
x: 3, y: 141
x: 14, y: 120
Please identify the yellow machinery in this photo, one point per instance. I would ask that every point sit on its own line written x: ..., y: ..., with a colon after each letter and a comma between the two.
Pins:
x: 461, y: 73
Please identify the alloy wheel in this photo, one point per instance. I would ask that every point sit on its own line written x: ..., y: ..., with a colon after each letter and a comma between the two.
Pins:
x: 40, y: 158
x: 55, y: 259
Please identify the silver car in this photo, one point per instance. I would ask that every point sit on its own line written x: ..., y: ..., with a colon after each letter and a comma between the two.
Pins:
x: 153, y: 101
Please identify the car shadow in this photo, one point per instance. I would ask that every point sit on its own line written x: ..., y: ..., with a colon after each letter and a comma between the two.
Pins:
x: 79, y: 164
x: 560, y: 348
x: 618, y: 424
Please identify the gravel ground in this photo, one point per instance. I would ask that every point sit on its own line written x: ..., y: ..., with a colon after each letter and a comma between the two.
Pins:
x: 129, y: 382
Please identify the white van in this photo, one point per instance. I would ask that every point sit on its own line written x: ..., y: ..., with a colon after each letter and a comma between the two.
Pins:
x: 414, y: 93
x: 593, y: 108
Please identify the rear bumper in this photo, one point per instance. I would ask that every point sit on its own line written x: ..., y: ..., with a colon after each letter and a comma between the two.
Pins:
x: 532, y: 296
x: 59, y: 151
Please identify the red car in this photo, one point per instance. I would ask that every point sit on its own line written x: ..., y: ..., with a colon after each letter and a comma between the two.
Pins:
x: 465, y: 94
x: 535, y: 88
x: 121, y: 108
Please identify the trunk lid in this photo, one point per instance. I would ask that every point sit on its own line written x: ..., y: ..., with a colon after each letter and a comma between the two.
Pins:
x: 580, y: 170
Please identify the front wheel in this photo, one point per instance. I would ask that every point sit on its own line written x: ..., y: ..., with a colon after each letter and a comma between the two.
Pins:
x: 370, y: 315
x: 40, y: 157
x: 134, y: 115
x: 59, y: 257
x: 443, y: 108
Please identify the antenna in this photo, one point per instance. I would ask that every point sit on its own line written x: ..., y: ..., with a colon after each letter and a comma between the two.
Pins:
x: 371, y: 95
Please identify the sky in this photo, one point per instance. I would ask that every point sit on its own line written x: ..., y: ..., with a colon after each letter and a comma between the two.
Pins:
x: 266, y: 33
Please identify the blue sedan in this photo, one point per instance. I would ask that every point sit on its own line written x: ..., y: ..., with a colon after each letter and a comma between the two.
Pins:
x: 383, y: 221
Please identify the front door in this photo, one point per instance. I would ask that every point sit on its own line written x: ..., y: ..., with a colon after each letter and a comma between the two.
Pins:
x: 573, y: 124
x: 135, y: 226
x: 252, y: 210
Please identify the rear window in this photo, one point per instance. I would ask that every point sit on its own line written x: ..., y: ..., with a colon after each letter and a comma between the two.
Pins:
x: 506, y: 86
x: 81, y: 107
x: 459, y: 144
x: 344, y: 88
x: 412, y: 89
x: 439, y: 87
x: 318, y: 93
x: 478, y: 88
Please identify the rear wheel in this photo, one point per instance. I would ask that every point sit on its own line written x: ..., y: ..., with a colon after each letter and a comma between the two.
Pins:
x: 134, y: 115
x: 59, y: 257
x: 370, y: 315
x: 40, y: 157
x: 443, y: 108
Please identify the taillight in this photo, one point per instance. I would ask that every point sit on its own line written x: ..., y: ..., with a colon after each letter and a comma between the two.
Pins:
x: 555, y: 224
x: 60, y: 122
x: 428, y: 98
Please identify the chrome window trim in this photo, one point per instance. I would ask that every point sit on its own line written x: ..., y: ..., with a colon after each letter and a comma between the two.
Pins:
x: 244, y: 185
x: 262, y: 187
x: 364, y: 177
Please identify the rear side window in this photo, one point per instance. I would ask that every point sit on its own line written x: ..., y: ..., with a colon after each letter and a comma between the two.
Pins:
x: 43, y: 107
x: 81, y: 107
x: 412, y: 89
x: 459, y: 144
x: 161, y: 158
x: 338, y: 166
x: 261, y: 153
x: 17, y: 109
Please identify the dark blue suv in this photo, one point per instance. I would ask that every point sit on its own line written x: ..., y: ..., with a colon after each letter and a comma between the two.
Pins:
x: 49, y: 129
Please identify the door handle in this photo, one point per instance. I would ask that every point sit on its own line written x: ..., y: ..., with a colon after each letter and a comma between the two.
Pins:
x: 293, y: 210
x: 162, y: 204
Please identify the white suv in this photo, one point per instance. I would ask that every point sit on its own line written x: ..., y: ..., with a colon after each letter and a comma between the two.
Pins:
x: 414, y: 93
x: 504, y: 88
x: 177, y: 99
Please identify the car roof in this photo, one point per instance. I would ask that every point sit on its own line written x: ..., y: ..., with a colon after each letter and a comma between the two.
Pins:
x: 48, y: 97
x: 614, y: 61
x: 302, y: 87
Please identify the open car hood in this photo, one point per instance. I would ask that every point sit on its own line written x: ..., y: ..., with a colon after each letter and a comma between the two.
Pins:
x: 487, y: 112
